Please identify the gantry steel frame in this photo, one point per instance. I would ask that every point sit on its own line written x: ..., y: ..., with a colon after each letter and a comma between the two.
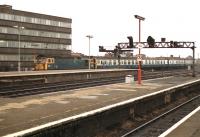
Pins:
x: 171, y: 44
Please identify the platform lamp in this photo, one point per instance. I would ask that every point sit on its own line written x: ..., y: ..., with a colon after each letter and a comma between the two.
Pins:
x: 89, y: 37
x: 139, y: 62
x: 19, y: 28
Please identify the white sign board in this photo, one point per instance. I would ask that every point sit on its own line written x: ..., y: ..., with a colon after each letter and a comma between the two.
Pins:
x: 139, y: 59
x: 139, y: 46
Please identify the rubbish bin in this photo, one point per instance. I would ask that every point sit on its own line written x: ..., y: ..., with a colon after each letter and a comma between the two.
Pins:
x: 129, y: 79
x: 189, y: 67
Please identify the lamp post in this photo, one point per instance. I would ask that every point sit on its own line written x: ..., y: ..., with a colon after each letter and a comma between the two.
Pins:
x: 89, y: 37
x: 139, y: 62
x: 19, y: 28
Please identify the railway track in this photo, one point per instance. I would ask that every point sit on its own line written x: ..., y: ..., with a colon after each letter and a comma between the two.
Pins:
x: 25, y: 90
x: 161, y: 123
x: 53, y: 87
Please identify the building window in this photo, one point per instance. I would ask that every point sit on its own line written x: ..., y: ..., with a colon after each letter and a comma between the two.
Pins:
x: 35, y: 33
x: 15, y: 44
x: 18, y: 18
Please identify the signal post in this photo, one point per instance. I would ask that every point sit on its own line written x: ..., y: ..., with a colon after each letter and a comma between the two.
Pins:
x: 139, y: 61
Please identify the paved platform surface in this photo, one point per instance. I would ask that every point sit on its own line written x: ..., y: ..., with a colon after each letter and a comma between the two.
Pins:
x: 21, y: 113
x: 24, y: 73
x: 189, y: 128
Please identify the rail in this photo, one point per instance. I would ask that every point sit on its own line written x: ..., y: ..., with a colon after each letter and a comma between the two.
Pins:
x: 25, y: 90
x: 158, y: 125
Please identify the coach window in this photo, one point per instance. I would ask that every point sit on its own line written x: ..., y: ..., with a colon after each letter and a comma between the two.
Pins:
x: 7, y: 16
x: 134, y: 61
x: 98, y: 62
x: 114, y: 62
x: 131, y: 62
x: 27, y: 19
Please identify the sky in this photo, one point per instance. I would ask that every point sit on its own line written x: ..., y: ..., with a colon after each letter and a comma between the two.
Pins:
x: 111, y: 21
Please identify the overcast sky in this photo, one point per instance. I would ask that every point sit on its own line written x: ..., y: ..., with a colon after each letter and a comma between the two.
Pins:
x: 111, y: 21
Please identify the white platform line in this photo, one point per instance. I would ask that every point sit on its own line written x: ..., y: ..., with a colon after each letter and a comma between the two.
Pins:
x: 55, y: 72
x: 179, y: 123
x: 158, y: 78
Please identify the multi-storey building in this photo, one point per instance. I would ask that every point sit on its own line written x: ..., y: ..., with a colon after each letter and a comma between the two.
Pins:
x: 26, y: 35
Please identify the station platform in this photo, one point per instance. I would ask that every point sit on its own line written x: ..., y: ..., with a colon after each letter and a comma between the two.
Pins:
x: 48, y: 72
x: 17, y: 114
x: 189, y: 126
x: 53, y: 76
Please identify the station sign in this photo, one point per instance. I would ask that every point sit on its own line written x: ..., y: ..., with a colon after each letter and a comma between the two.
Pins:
x: 140, y: 46
x: 139, y: 59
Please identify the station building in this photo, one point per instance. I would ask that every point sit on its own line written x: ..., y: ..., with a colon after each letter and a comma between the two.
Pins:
x: 26, y: 35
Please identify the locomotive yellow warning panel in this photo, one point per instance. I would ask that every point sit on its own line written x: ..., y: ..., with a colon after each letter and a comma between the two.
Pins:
x: 41, y: 63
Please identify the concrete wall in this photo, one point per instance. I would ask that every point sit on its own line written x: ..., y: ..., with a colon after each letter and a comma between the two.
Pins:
x: 86, y: 75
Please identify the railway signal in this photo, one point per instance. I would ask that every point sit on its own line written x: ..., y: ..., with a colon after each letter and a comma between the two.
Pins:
x: 117, y: 51
x: 130, y: 38
x: 102, y: 49
x: 151, y: 41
